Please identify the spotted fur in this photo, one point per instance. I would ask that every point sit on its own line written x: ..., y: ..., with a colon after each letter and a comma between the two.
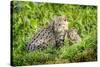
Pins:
x: 52, y: 35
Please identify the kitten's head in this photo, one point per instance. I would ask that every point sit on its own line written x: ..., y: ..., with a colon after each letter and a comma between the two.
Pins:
x: 73, y: 35
x: 60, y: 24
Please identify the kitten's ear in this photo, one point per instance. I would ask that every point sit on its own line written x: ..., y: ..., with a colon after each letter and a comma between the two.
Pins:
x: 75, y: 30
x: 54, y: 18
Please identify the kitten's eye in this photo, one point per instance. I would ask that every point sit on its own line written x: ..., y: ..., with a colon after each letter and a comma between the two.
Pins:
x: 59, y: 24
x: 64, y: 19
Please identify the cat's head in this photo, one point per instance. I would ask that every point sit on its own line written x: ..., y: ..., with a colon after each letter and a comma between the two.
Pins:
x: 60, y: 24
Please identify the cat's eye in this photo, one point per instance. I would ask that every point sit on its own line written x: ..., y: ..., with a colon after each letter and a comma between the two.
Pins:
x: 59, y: 24
x: 64, y: 19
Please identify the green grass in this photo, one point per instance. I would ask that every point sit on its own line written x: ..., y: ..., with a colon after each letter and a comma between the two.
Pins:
x: 28, y: 18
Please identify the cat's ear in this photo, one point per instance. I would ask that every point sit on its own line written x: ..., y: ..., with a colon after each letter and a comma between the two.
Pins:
x: 75, y: 30
x: 55, y: 18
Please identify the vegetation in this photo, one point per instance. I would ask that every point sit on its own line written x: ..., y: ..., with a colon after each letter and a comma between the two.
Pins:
x: 28, y: 17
